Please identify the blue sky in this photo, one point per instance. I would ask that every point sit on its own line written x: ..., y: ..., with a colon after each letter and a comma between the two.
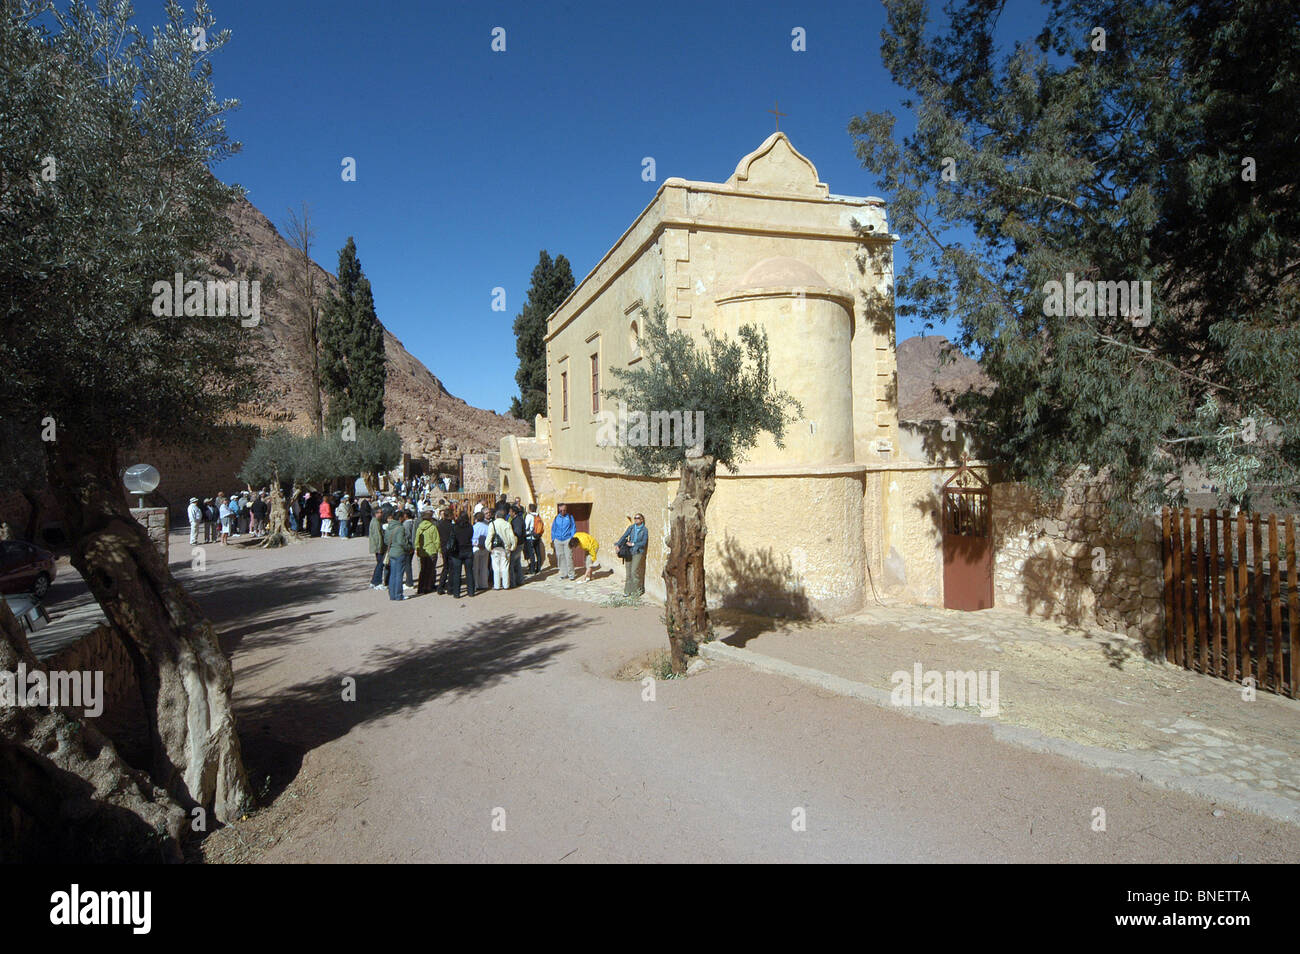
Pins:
x: 470, y: 161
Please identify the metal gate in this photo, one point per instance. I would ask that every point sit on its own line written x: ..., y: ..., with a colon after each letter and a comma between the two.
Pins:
x: 967, y: 541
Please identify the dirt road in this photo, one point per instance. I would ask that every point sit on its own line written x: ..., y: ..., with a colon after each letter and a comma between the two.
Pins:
x: 494, y: 729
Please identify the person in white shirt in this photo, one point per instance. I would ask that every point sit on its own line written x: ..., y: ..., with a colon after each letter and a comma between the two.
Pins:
x: 195, y: 513
x: 501, y: 541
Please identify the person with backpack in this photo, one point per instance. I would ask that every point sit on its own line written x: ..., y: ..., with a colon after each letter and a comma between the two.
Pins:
x: 533, y: 540
x: 517, y: 527
x: 501, y: 540
x: 634, y: 541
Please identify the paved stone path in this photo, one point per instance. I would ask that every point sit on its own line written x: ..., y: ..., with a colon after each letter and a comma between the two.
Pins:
x: 606, y: 589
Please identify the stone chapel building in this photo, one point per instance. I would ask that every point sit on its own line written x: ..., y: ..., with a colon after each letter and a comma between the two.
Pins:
x: 838, y: 513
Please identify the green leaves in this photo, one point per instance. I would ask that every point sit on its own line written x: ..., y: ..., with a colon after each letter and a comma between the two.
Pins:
x: 132, y: 127
x: 353, y: 362
x: 552, y: 282
x: 313, y: 459
x: 1116, y: 164
x: 727, y: 381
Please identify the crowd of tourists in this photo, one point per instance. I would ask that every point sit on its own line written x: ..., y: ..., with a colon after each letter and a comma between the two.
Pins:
x: 488, y: 548
x: 227, y: 517
x: 224, y: 517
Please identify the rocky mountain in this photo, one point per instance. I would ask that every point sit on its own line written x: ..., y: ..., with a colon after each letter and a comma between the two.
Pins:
x: 434, y: 424
x: 922, y: 370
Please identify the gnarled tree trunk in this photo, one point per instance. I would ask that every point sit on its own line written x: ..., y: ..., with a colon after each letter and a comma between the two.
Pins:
x: 184, y: 676
x: 65, y: 793
x: 686, y: 608
x: 277, y: 532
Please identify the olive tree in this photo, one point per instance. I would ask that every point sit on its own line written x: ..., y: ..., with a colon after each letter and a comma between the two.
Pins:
x: 106, y: 195
x: 275, y: 459
x: 729, y: 384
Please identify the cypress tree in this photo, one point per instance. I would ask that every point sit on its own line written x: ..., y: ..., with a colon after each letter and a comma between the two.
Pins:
x: 353, y: 369
x: 552, y: 283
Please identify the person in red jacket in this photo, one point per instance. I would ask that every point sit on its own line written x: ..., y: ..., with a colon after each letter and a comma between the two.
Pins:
x: 326, y: 516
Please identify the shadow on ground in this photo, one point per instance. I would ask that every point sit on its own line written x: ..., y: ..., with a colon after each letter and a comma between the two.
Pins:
x: 276, y: 731
x: 282, y: 607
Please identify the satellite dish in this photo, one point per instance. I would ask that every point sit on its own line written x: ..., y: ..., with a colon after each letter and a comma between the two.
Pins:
x: 141, y: 479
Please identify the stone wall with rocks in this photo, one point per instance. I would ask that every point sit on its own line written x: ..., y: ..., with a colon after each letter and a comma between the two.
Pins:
x: 156, y: 523
x: 1066, y: 562
x: 196, y: 472
x: 101, y: 651
x: 479, y: 473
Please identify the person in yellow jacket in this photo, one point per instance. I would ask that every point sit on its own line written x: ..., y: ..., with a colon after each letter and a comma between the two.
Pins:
x: 428, y: 544
x: 591, y: 546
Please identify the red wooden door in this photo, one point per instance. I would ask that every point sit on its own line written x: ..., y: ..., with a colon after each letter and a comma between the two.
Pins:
x: 967, y: 542
x: 581, y: 514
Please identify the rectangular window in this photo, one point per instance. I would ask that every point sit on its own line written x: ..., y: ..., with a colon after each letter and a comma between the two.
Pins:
x: 564, y: 396
x: 595, y: 383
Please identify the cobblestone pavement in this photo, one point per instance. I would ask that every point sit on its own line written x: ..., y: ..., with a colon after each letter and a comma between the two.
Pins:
x: 1087, y: 686
x: 605, y: 589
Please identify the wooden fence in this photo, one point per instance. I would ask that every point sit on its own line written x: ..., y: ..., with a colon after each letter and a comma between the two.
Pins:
x: 1232, y: 604
x: 466, y: 499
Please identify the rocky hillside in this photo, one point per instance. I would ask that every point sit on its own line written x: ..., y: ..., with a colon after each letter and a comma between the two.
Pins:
x: 433, y: 423
x: 920, y: 372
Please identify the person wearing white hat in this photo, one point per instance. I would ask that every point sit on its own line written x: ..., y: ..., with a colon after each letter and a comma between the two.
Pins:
x: 195, y: 513
x: 344, y: 514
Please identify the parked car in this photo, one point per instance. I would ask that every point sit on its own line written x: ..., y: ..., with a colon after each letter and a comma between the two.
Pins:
x: 28, y: 610
x: 25, y: 568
